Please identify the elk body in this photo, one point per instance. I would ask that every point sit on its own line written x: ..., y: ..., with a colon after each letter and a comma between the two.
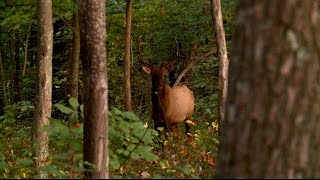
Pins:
x: 170, y: 105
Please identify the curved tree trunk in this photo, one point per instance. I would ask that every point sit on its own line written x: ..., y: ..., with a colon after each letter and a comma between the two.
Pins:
x: 223, y: 58
x: 272, y: 123
x: 127, y: 67
x: 93, y: 56
x: 44, y: 84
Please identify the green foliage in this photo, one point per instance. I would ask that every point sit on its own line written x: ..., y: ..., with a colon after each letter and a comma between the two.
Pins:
x: 129, y: 139
x: 160, y: 24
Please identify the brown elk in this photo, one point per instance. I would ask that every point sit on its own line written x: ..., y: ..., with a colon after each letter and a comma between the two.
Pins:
x: 170, y: 105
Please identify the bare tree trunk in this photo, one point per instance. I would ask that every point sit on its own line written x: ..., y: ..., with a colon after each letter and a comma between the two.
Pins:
x: 272, y: 127
x: 93, y: 55
x: 74, y: 69
x: 223, y: 57
x: 12, y: 66
x: 44, y: 84
x: 3, y: 83
x: 26, y: 50
x: 17, y: 94
x: 127, y: 67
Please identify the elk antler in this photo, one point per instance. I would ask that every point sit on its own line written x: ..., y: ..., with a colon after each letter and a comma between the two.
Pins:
x: 189, y: 65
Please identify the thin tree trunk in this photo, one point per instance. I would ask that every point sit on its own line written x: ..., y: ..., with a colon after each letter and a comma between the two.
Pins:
x: 26, y: 50
x: 44, y: 84
x: 223, y: 58
x: 3, y: 82
x: 272, y: 127
x: 17, y: 95
x: 93, y: 56
x: 74, y: 69
x: 127, y: 96
x: 12, y: 65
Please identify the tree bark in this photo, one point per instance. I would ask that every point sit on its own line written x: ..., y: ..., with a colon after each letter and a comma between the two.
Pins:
x: 26, y: 50
x: 44, y: 84
x: 3, y: 82
x: 74, y: 69
x: 93, y: 55
x: 12, y: 65
x: 17, y: 88
x: 272, y: 123
x: 223, y: 58
x: 127, y: 67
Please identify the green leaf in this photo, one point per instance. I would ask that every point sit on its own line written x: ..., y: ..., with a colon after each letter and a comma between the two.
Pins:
x: 136, y: 126
x: 144, y: 152
x: 130, y: 115
x: 74, y: 102
x: 76, y: 144
x: 3, y: 165
x: 81, y: 108
x: 131, y: 147
x: 124, y: 125
x: 63, y: 108
x: 150, y: 156
x: 114, y: 163
x: 184, y: 169
x: 24, y: 162
x: 135, y: 156
x: 148, y: 137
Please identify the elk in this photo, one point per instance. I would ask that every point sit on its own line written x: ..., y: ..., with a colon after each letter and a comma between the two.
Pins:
x: 170, y: 105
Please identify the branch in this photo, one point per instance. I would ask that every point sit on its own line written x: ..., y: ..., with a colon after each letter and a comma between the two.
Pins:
x: 65, y: 21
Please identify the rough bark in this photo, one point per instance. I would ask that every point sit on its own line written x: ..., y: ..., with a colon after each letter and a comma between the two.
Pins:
x: 93, y: 56
x: 272, y: 123
x: 3, y: 82
x: 74, y: 69
x: 223, y: 57
x: 127, y: 67
x: 44, y: 84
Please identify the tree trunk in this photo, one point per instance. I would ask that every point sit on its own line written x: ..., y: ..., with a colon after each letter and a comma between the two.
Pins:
x: 26, y: 50
x: 127, y: 96
x: 272, y: 123
x: 17, y: 94
x: 44, y: 84
x: 3, y: 82
x: 74, y: 69
x: 93, y: 55
x: 223, y: 58
x: 12, y: 66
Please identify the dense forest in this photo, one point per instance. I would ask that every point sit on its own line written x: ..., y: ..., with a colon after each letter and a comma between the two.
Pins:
x: 162, y: 32
x: 100, y: 89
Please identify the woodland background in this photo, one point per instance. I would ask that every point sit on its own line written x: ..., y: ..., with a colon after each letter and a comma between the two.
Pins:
x: 166, y: 30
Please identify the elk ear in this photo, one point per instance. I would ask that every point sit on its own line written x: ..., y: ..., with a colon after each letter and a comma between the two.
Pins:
x: 146, y: 69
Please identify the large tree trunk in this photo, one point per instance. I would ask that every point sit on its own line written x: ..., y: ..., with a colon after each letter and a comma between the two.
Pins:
x: 74, y: 69
x: 272, y: 127
x: 3, y: 82
x: 223, y: 57
x: 127, y: 96
x: 93, y: 55
x: 44, y: 84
